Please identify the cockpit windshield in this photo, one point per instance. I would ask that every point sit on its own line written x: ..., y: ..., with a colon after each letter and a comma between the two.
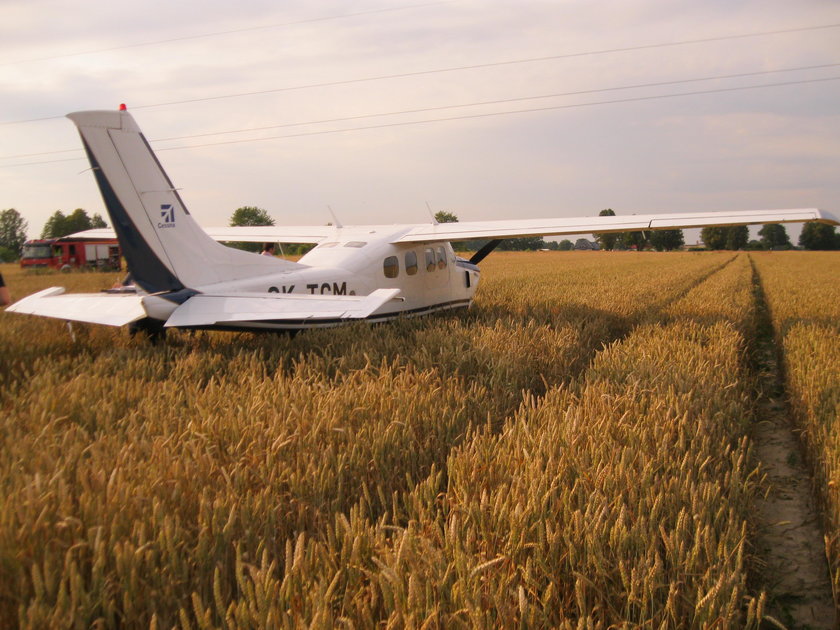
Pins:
x: 37, y: 251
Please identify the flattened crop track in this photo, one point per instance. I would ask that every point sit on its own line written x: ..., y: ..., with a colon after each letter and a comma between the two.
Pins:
x: 789, y: 540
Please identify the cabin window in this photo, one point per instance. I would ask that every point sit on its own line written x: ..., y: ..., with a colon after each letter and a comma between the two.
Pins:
x: 441, y: 258
x: 411, y: 263
x: 430, y: 259
x: 326, y: 245
x: 355, y: 244
x: 391, y: 267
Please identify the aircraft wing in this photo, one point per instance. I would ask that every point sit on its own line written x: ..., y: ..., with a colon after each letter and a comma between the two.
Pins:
x: 588, y: 225
x: 94, y: 308
x: 271, y: 233
x: 208, y: 309
x: 515, y: 228
x: 240, y: 234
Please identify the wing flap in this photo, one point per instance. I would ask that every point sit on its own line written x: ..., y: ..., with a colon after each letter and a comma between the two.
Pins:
x: 93, y: 308
x: 207, y: 310
x: 588, y: 225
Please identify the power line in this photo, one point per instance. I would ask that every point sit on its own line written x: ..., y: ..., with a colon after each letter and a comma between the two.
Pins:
x: 470, y: 116
x: 463, y: 105
x: 508, y: 112
x: 453, y: 69
x: 506, y: 100
x: 228, y: 32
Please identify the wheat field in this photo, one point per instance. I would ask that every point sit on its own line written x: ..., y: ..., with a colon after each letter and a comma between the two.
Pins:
x: 572, y: 452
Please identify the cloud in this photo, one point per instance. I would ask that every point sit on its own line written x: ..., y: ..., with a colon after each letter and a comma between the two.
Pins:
x: 760, y: 148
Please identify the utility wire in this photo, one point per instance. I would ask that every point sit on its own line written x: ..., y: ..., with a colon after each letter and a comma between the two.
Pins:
x: 508, y: 112
x: 470, y: 116
x: 452, y: 69
x: 228, y: 32
x: 503, y: 101
x: 459, y: 106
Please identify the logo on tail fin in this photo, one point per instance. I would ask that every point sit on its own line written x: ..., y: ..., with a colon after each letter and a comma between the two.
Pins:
x: 167, y: 215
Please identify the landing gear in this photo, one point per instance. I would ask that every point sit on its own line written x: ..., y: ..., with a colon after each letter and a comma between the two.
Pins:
x: 151, y: 328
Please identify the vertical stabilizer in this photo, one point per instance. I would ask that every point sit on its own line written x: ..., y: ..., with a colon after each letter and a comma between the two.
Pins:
x: 165, y: 248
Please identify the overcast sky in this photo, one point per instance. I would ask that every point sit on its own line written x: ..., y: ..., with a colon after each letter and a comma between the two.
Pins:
x: 501, y: 154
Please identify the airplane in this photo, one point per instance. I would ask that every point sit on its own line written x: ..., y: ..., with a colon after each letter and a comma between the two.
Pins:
x: 186, y: 279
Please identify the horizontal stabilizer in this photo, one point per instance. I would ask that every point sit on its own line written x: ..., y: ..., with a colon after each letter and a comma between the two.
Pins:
x: 208, y: 309
x: 93, y: 308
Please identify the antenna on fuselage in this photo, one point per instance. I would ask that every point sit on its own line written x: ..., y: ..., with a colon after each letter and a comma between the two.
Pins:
x: 432, y: 214
x: 335, y: 218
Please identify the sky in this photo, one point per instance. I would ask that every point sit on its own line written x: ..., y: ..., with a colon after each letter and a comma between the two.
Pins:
x: 382, y: 110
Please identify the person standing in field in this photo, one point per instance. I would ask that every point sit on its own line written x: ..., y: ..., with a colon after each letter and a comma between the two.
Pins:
x: 268, y: 250
x: 5, y: 298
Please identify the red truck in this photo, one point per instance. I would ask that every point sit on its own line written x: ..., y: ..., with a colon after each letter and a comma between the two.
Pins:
x: 72, y: 252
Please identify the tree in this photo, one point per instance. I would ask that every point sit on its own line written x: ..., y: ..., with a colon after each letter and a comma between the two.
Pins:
x: 607, y: 240
x: 249, y: 215
x: 818, y: 236
x: 565, y: 245
x: 774, y: 235
x: 12, y: 232
x: 667, y: 240
x: 730, y: 237
x: 737, y: 237
x: 528, y: 243
x: 59, y: 224
x: 443, y: 216
x: 77, y: 221
x: 713, y: 237
x: 97, y: 221
x: 54, y: 227
x: 629, y: 240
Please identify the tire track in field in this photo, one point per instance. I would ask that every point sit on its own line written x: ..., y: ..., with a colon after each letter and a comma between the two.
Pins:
x: 657, y: 309
x: 789, y: 539
x: 656, y: 312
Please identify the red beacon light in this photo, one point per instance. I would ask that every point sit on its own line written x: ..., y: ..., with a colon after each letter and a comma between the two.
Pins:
x: 123, y: 107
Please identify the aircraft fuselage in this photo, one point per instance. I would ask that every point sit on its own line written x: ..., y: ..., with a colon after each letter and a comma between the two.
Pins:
x: 356, y: 262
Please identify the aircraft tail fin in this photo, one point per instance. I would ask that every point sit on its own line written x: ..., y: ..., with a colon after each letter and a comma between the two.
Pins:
x: 164, y: 246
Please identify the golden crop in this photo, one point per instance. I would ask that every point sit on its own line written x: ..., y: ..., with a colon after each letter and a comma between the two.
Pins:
x: 571, y: 452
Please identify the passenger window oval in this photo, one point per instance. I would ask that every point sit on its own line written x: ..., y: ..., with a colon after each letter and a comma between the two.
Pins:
x: 391, y: 267
x: 411, y: 263
x: 430, y: 259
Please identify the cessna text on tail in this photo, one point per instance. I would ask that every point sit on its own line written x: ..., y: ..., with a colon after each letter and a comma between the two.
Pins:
x: 186, y: 279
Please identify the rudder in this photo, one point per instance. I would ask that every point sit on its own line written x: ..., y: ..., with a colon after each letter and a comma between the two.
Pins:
x: 164, y: 246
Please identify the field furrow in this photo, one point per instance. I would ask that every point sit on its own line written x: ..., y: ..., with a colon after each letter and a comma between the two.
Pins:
x: 803, y: 296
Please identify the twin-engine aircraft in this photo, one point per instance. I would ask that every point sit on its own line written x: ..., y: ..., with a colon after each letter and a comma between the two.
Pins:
x: 186, y: 279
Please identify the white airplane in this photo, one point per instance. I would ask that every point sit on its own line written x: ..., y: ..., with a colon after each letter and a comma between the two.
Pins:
x: 186, y: 279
